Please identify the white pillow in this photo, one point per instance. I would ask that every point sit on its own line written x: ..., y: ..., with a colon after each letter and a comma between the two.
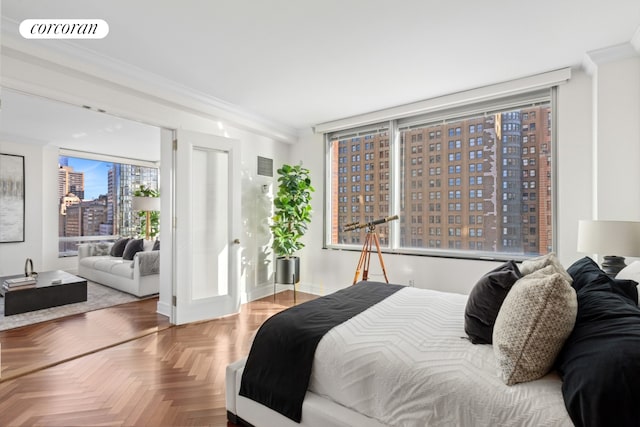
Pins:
x: 100, y: 249
x: 148, y: 244
x: 533, y: 323
x: 631, y: 272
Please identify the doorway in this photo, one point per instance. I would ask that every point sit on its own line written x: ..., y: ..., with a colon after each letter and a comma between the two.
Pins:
x: 61, y: 125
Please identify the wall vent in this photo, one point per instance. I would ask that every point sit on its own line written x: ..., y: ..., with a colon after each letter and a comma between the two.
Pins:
x: 265, y: 166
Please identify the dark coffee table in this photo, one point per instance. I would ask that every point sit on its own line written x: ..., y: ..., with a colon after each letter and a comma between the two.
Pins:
x: 67, y: 289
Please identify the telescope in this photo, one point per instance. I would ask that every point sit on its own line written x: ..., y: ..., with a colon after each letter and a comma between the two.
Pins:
x: 371, y: 225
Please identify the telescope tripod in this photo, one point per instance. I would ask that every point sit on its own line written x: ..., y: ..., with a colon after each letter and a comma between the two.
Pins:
x: 365, y: 256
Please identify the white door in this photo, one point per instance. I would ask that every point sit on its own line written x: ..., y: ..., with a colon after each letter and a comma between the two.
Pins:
x: 206, y: 227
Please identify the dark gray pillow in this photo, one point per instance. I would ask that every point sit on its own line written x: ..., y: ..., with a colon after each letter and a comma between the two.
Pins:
x: 600, y: 362
x: 156, y: 245
x: 118, y: 247
x: 485, y: 301
x: 133, y: 247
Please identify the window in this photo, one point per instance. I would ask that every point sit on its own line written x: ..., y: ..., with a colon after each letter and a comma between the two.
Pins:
x: 491, y: 163
x: 95, y: 199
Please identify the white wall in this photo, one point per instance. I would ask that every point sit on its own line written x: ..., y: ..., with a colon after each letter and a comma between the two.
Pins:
x: 616, y: 139
x: 574, y: 161
x: 13, y: 255
x: 257, y: 268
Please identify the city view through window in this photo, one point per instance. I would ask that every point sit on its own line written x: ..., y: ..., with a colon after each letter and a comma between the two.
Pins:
x: 95, y: 200
x: 481, y: 184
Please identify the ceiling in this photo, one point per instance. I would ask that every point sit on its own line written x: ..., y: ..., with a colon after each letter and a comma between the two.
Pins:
x: 298, y: 63
x: 35, y: 120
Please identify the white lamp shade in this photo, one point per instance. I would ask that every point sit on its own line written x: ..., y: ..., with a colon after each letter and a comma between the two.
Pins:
x: 618, y: 238
x: 141, y: 203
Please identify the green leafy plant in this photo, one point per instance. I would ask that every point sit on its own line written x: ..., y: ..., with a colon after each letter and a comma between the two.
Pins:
x: 292, y: 209
x: 154, y: 216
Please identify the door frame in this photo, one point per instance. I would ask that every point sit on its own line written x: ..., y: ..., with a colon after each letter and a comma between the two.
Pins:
x: 184, y: 308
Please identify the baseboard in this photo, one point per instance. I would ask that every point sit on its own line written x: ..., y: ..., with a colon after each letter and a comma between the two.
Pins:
x: 261, y: 291
x: 164, y: 309
x: 266, y: 290
x: 314, y: 289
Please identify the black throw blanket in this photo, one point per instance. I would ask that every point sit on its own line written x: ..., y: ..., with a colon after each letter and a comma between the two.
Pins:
x: 279, y: 364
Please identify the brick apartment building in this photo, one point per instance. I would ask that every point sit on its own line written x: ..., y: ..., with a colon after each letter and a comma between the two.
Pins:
x: 477, y: 184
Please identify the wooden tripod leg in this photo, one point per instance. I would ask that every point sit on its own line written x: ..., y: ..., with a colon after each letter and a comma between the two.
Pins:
x: 384, y: 270
x: 360, y: 261
x: 368, y: 241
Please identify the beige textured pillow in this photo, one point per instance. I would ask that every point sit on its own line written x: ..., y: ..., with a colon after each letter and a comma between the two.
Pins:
x: 533, y: 323
x: 534, y: 264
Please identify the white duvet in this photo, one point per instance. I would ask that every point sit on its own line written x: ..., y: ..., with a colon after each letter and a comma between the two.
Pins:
x: 405, y: 362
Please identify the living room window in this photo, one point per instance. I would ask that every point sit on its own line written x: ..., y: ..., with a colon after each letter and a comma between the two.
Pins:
x: 94, y: 196
x: 488, y: 171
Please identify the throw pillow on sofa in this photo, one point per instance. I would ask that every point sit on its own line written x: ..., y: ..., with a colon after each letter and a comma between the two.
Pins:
x: 148, y: 245
x: 100, y: 249
x: 118, y: 247
x: 133, y: 247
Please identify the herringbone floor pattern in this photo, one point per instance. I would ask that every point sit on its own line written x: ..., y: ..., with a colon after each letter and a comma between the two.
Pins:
x: 170, y: 376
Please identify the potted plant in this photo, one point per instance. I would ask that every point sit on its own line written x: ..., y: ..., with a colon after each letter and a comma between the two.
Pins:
x: 292, y: 214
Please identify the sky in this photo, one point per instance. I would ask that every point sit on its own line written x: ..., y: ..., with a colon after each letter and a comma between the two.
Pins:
x: 95, y: 175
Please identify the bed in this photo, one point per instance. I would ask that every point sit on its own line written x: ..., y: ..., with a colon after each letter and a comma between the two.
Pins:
x: 404, y: 360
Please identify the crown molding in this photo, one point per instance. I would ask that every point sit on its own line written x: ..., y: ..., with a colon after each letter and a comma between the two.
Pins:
x: 83, y: 61
x: 594, y: 58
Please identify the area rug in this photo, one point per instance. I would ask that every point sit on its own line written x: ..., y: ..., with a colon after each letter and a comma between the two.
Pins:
x: 98, y: 297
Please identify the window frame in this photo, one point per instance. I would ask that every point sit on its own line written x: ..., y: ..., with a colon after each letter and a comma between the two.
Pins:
x: 103, y: 158
x: 455, y: 113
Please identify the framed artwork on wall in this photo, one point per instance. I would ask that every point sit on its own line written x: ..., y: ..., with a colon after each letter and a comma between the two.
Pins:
x: 11, y: 198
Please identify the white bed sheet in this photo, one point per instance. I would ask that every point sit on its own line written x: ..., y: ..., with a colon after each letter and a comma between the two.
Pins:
x: 406, y: 362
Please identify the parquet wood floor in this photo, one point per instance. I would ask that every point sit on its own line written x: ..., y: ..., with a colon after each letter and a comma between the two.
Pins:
x: 114, y: 369
x: 30, y: 348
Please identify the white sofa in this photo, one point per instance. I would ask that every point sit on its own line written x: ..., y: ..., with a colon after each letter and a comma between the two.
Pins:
x: 139, y: 277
